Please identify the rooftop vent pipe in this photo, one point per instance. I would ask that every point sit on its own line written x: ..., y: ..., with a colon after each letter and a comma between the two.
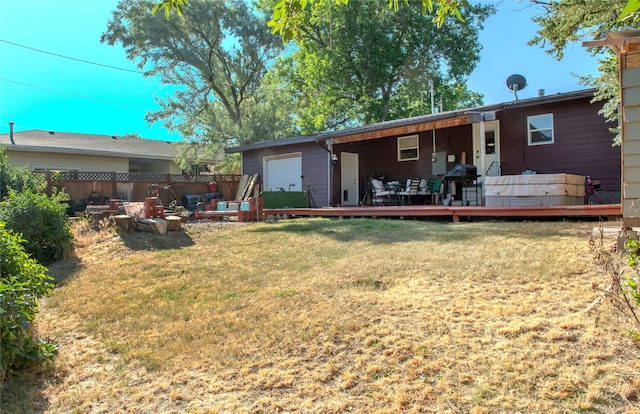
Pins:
x: 11, y: 133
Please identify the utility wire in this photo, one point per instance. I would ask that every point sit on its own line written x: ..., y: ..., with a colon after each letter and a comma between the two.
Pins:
x: 73, y: 94
x: 71, y: 58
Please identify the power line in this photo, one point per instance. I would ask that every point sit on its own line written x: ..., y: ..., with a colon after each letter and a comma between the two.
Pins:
x: 71, y: 58
x: 73, y: 94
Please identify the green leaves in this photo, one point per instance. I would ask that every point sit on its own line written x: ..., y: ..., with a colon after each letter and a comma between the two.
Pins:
x: 168, y: 5
x: 365, y: 62
x: 630, y: 10
x: 291, y: 18
x: 22, y: 282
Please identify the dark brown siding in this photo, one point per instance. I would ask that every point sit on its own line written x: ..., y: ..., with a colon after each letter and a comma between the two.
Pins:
x: 380, y: 156
x: 582, y: 143
x: 315, y: 161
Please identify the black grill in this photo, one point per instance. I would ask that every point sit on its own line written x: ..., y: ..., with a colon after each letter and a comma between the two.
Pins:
x: 460, y: 176
x: 463, y: 171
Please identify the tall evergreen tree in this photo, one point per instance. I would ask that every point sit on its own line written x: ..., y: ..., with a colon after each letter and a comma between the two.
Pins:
x: 563, y: 22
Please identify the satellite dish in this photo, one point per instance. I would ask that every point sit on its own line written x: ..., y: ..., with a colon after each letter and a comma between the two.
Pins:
x: 516, y: 83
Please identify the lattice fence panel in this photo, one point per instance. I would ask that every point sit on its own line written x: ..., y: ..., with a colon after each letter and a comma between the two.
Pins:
x: 229, y: 178
x: 86, y: 176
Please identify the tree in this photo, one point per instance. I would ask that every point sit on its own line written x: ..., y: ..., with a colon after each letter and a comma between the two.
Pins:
x: 631, y: 11
x: 290, y: 18
x: 364, y: 63
x: 567, y: 21
x: 213, y: 59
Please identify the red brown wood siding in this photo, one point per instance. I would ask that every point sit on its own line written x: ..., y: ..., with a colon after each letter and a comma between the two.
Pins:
x: 315, y: 166
x: 380, y: 156
x: 582, y: 143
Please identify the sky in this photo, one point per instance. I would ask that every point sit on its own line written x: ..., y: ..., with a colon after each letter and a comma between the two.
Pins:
x: 39, y: 89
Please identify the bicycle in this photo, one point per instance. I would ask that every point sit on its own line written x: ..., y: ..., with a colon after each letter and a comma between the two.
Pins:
x: 593, y: 195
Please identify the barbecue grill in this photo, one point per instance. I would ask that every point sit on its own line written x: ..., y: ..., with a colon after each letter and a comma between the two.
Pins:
x: 459, y: 177
x: 462, y: 172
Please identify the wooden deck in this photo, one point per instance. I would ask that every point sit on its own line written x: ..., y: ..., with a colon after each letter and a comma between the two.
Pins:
x: 610, y: 212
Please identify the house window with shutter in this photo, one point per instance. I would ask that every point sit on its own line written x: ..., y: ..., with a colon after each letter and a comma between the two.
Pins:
x: 408, y: 148
x: 540, y: 129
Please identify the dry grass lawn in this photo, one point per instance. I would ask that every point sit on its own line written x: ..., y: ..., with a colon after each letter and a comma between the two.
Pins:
x: 333, y: 316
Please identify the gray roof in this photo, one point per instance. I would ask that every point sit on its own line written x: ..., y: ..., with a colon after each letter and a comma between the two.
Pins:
x: 476, y: 114
x: 89, y: 144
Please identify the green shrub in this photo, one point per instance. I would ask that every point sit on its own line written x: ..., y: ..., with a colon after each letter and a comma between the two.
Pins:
x: 41, y: 220
x: 18, y: 178
x: 630, y: 287
x: 22, y: 282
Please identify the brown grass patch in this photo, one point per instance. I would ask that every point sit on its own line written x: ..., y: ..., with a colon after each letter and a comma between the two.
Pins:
x: 316, y: 315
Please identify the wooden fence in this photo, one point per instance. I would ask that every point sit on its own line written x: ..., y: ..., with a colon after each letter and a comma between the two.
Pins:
x: 101, y: 186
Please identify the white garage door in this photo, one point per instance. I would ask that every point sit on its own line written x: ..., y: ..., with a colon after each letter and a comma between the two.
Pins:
x: 283, y: 172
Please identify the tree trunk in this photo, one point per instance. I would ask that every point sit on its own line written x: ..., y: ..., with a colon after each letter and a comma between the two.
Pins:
x: 173, y: 223
x: 124, y: 224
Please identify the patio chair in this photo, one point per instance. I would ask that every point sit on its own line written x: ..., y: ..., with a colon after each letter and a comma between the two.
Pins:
x: 411, y: 189
x: 382, y: 195
x: 435, y: 191
x: 431, y: 189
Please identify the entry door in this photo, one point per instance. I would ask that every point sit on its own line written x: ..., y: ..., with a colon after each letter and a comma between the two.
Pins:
x: 486, y: 149
x: 349, y: 179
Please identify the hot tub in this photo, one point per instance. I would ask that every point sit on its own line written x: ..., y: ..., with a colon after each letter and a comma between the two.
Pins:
x: 529, y: 190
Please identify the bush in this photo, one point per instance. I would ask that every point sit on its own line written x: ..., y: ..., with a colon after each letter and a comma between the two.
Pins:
x: 43, y: 222
x: 623, y: 291
x: 22, y: 282
x: 630, y: 287
x: 18, y: 178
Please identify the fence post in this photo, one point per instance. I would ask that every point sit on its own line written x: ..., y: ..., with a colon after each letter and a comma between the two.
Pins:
x: 114, y: 185
x: 49, y: 188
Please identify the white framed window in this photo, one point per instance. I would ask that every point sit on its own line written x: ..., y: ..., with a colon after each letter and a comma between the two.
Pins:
x: 540, y: 129
x: 408, y: 148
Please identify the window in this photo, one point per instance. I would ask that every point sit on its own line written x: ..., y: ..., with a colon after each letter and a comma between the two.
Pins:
x: 490, y: 142
x: 408, y: 148
x: 540, y: 129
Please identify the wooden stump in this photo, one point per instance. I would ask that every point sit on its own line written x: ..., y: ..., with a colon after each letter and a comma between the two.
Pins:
x: 124, y: 224
x: 98, y: 217
x: 157, y: 226
x: 173, y: 223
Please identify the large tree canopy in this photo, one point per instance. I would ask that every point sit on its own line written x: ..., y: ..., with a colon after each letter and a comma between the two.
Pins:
x: 363, y: 62
x: 567, y: 21
x: 290, y: 18
x: 213, y: 60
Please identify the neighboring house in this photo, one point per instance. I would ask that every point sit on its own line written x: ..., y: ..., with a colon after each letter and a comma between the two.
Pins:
x: 64, y: 151
x: 552, y: 134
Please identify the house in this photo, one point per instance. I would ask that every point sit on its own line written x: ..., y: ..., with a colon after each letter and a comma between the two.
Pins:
x: 626, y: 45
x: 64, y: 151
x: 561, y: 133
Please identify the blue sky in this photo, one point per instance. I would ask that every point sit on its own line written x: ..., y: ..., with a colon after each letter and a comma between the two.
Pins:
x: 42, y: 91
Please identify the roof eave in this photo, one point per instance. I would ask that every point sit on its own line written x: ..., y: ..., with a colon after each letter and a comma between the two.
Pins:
x: 77, y: 151
x: 416, y: 124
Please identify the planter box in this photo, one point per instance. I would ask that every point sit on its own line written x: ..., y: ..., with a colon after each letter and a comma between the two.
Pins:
x: 285, y: 199
x: 529, y: 190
